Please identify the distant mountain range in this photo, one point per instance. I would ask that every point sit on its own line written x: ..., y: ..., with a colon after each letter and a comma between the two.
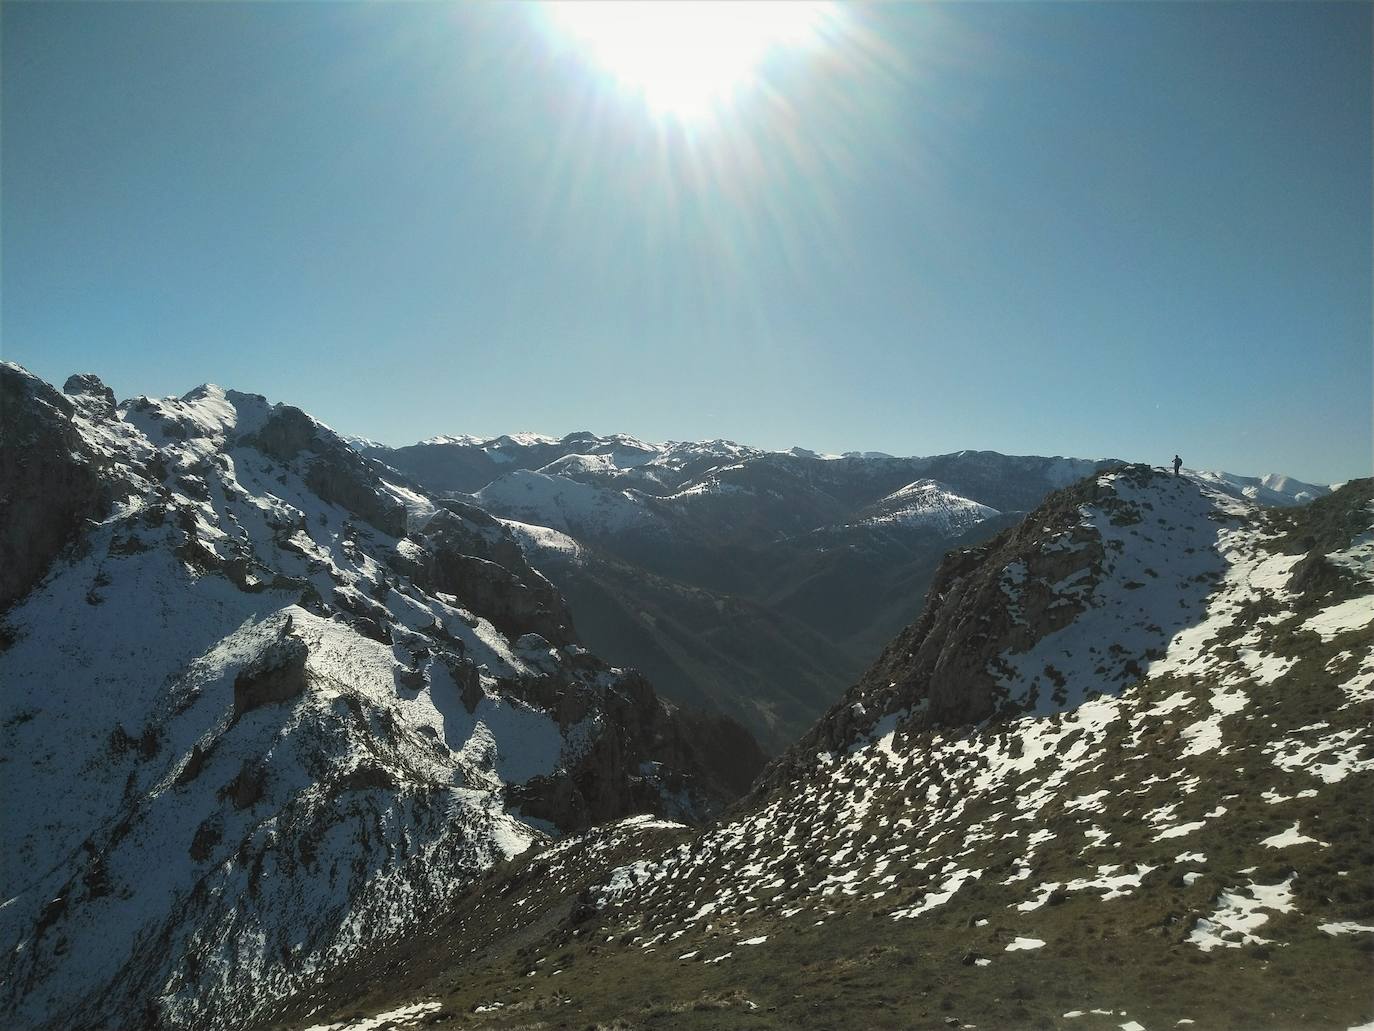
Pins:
x: 755, y: 582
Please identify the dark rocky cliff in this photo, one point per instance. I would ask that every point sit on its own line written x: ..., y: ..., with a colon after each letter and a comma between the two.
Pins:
x: 50, y: 482
x: 949, y: 667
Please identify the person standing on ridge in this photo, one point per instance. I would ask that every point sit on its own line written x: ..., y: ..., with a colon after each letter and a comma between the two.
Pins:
x: 1178, y: 464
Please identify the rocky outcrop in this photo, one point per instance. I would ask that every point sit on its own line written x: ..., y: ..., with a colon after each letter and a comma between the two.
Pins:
x: 465, y: 552
x: 89, y: 386
x: 332, y: 469
x: 50, y: 483
x: 644, y: 758
x: 945, y: 667
x: 1328, y: 524
x: 276, y: 675
x: 468, y: 529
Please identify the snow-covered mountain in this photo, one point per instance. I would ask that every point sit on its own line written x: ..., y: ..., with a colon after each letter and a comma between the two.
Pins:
x: 549, y: 497
x: 752, y: 581
x: 467, y: 463
x: 1269, y: 489
x: 1117, y: 775
x: 266, y: 703
x: 926, y: 504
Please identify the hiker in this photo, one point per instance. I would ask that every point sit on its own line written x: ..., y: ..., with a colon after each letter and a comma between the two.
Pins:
x: 1178, y: 464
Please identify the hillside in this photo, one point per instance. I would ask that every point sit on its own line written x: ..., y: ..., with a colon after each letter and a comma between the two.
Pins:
x: 267, y: 703
x: 1115, y: 776
x: 759, y: 583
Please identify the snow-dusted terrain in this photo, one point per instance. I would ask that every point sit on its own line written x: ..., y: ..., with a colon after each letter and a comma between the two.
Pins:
x: 546, y: 498
x: 755, y: 582
x: 270, y: 706
x: 1148, y: 809
x: 927, y: 504
x: 810, y: 563
x: 291, y: 738
x: 1269, y: 489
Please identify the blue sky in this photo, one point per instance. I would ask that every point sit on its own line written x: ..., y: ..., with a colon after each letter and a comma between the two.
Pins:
x: 1099, y: 230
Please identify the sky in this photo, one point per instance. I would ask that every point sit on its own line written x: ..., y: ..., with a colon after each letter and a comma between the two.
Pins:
x: 1100, y: 230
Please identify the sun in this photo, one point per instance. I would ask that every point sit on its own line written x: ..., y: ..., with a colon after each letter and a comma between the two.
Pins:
x: 688, y: 58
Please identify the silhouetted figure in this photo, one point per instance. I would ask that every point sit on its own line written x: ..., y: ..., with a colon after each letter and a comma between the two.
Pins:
x: 1178, y: 464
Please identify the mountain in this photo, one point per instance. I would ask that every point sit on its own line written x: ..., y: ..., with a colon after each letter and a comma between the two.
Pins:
x: 926, y: 504
x: 1116, y: 775
x: 757, y: 583
x: 1269, y: 489
x: 268, y: 703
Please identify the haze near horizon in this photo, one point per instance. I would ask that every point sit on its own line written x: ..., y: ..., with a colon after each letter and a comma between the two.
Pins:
x: 1119, y: 230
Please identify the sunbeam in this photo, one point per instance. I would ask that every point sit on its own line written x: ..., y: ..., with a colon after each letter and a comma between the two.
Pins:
x: 688, y: 59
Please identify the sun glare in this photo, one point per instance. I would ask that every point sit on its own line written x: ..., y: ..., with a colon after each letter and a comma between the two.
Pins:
x: 688, y: 58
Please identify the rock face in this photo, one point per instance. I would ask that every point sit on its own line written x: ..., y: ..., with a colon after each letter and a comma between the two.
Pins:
x: 653, y: 739
x: 465, y: 552
x: 300, y: 707
x: 89, y: 386
x: 333, y: 470
x: 49, y: 481
x: 973, y: 654
x: 276, y: 675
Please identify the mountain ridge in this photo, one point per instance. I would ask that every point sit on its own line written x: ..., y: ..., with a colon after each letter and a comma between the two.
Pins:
x: 266, y: 701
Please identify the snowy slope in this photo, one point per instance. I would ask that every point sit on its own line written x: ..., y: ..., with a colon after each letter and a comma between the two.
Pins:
x: 927, y: 505
x: 1170, y: 829
x: 273, y: 707
x: 549, y: 499
x: 1269, y: 489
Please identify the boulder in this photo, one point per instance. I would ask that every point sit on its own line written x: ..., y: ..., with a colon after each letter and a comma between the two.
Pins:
x: 276, y: 675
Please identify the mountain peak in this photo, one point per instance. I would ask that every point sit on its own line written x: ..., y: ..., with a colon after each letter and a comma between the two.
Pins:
x: 286, y: 673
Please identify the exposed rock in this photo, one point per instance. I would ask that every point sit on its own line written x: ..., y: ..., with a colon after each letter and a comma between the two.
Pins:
x: 276, y: 675
x: 367, y: 777
x: 468, y: 678
x: 195, y: 765
x: 90, y: 386
x: 480, y: 562
x: 49, y: 480
x: 625, y: 771
x: 476, y: 533
x: 208, y: 835
x: 333, y: 470
x: 247, y: 787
